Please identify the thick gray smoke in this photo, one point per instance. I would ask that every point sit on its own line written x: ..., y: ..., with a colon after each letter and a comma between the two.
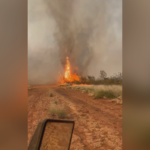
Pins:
x: 89, y: 32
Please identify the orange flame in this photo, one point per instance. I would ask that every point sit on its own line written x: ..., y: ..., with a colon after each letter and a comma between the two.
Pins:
x: 68, y: 76
x: 67, y: 70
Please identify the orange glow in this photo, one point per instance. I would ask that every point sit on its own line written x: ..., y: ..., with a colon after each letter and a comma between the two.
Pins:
x: 68, y: 76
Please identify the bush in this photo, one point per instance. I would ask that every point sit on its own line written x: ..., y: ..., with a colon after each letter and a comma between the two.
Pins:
x: 56, y: 101
x: 86, y: 90
x: 51, y: 94
x: 103, y: 94
x: 62, y: 114
x: 53, y: 111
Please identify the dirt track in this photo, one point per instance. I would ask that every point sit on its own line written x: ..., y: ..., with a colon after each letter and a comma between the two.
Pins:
x: 98, y: 123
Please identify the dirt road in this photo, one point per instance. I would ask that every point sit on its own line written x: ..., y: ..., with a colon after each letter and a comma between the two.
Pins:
x: 98, y: 123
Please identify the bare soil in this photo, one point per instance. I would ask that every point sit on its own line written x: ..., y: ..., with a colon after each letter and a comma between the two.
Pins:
x: 98, y: 123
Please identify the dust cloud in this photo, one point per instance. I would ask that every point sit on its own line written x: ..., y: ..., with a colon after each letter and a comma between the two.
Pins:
x: 89, y: 32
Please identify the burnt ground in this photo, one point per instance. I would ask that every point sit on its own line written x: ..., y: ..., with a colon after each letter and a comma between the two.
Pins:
x: 98, y: 123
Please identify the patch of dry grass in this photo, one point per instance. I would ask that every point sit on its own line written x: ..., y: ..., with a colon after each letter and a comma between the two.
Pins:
x: 53, y: 111
x: 108, y: 91
x: 62, y: 113
x: 104, y: 94
x: 51, y: 94
x: 59, y: 112
x: 57, y: 109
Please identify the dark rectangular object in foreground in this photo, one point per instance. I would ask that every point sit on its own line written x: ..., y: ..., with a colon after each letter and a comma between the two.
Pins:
x: 36, y: 140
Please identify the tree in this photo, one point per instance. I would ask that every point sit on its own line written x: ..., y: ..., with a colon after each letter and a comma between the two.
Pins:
x: 103, y: 74
x: 83, y: 79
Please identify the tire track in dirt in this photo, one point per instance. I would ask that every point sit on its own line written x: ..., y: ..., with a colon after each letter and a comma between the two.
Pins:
x: 95, y: 129
x: 98, y: 123
x: 108, y: 115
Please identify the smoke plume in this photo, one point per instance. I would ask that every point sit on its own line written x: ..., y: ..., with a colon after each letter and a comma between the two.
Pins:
x: 88, y: 32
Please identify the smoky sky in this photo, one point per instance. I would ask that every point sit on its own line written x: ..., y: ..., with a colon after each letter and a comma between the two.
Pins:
x: 89, y: 32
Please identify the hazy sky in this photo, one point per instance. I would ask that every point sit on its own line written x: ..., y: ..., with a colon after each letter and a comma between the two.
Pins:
x: 91, y: 31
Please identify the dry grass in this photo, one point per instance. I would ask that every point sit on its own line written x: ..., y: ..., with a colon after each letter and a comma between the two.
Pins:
x: 100, y: 91
x: 51, y: 94
x: 104, y: 94
x: 59, y: 112
x: 53, y: 111
x: 57, y: 109
x: 62, y: 113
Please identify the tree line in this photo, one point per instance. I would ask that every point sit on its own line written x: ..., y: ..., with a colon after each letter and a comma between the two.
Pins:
x: 102, y: 79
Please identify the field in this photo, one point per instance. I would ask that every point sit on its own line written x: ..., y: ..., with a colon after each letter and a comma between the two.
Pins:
x: 96, y: 110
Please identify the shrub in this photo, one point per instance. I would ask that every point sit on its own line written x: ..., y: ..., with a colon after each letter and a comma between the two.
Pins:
x: 53, y: 111
x: 59, y: 112
x: 86, y: 90
x: 62, y: 114
x: 56, y: 101
x: 51, y: 94
x: 103, y: 94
